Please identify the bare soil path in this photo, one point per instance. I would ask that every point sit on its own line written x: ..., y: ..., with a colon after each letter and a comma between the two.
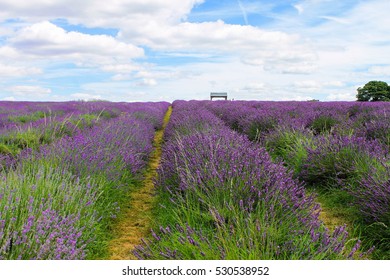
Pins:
x: 136, y: 220
x: 332, y: 219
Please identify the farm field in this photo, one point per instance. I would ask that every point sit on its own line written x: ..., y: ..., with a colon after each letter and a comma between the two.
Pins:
x: 66, y: 175
x: 213, y: 180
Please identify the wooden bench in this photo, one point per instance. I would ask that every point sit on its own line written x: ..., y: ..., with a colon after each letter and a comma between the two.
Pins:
x: 218, y: 95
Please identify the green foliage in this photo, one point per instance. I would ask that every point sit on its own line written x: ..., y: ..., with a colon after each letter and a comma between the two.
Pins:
x: 259, y: 127
x: 332, y: 166
x: 19, y: 140
x: 290, y: 146
x: 28, y: 118
x: 109, y: 114
x: 354, y: 111
x: 374, y: 91
x: 240, y: 236
x: 378, y: 234
x: 32, y: 138
x: 105, y: 197
x: 322, y: 124
x: 33, y: 188
x: 84, y: 121
x: 343, y: 205
x: 145, y: 116
x: 5, y: 150
x: 93, y: 197
x: 235, y: 125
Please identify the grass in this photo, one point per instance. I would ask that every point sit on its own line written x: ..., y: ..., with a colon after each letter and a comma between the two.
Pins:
x: 290, y: 146
x: 33, y: 137
x: 92, y: 197
x: 326, y: 174
x: 213, y: 212
x: 31, y: 190
x: 197, y: 231
x: 37, y: 115
x: 135, y: 221
x: 337, y: 207
x: 191, y: 224
x: 259, y: 127
x: 58, y: 207
x: 322, y: 124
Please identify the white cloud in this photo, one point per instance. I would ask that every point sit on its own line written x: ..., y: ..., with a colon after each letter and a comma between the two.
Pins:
x: 121, y: 68
x: 299, y: 8
x: 8, y: 53
x: 312, y: 85
x: 379, y: 70
x: 286, y: 59
x: 5, y: 31
x: 121, y: 77
x: 7, y: 71
x: 336, y: 19
x: 144, y: 74
x: 296, y: 98
x: 43, y: 43
x: 241, y: 81
x: 9, y: 98
x: 346, y: 96
x: 335, y: 84
x: 325, y: 41
x: 124, y: 91
x: 123, y: 72
x: 30, y: 92
x: 255, y: 87
x: 306, y: 84
x: 85, y: 96
x: 147, y: 82
x: 45, y: 39
x: 213, y: 36
x: 254, y: 45
x: 243, y: 11
x: 303, y: 68
x: 351, y: 26
x: 98, y: 12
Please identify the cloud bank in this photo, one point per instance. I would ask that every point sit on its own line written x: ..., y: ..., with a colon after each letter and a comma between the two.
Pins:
x: 155, y: 49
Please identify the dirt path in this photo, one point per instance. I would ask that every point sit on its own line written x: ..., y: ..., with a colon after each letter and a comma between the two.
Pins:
x: 136, y: 221
x: 331, y: 219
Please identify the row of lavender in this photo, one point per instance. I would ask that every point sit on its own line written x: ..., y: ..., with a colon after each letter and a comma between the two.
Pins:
x: 59, y: 200
x: 222, y: 197
x: 16, y: 113
x: 28, y: 125
x: 341, y: 147
x: 38, y: 115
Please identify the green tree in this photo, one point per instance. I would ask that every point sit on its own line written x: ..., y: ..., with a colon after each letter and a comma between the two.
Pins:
x: 374, y: 91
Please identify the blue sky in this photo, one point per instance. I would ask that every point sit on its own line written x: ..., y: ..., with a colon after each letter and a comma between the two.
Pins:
x: 151, y: 50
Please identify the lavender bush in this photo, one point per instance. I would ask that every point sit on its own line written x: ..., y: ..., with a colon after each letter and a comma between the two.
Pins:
x: 334, y: 146
x: 112, y: 147
x: 44, y: 213
x: 372, y: 198
x: 341, y: 160
x: 226, y: 199
x: 59, y: 200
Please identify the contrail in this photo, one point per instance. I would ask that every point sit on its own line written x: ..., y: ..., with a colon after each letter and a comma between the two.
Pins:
x: 244, y: 14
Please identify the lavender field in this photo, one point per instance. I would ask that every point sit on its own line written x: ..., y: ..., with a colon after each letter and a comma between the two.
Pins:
x: 236, y: 179
x: 66, y: 174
